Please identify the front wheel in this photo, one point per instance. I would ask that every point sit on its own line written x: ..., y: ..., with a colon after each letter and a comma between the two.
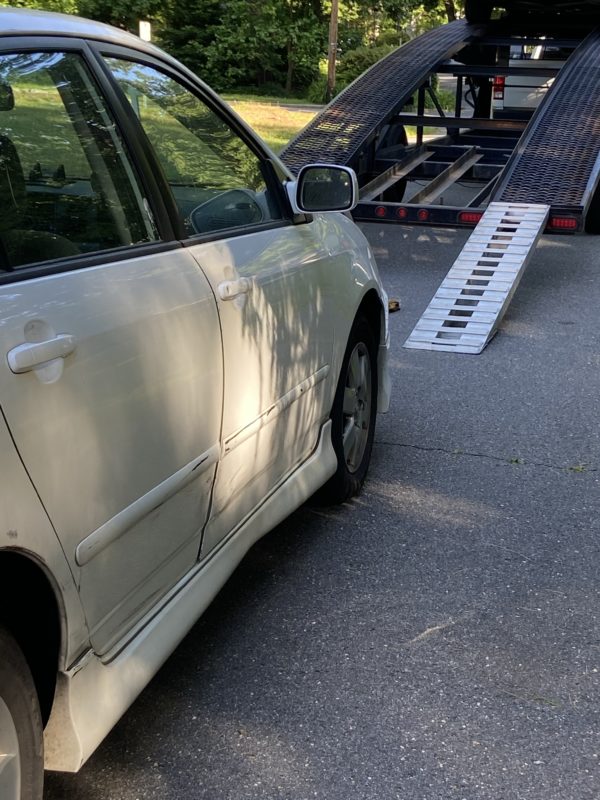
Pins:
x: 21, y: 742
x: 353, y: 415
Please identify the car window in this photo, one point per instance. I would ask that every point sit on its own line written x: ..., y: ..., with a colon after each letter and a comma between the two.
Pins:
x: 67, y: 186
x: 216, y: 180
x: 554, y: 53
x: 519, y: 53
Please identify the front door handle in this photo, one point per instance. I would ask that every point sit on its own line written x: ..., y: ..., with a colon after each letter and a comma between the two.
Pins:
x: 229, y: 290
x: 30, y: 355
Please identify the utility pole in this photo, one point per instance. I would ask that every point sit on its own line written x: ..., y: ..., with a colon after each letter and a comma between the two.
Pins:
x: 332, y: 52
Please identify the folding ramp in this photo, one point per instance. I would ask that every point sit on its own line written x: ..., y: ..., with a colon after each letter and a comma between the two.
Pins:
x: 353, y: 120
x: 467, y: 308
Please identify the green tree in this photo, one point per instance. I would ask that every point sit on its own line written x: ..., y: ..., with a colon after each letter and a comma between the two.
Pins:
x: 189, y: 29
x: 122, y: 13
x: 248, y: 42
x: 305, y: 36
x: 389, y: 22
x: 64, y: 6
x: 246, y: 48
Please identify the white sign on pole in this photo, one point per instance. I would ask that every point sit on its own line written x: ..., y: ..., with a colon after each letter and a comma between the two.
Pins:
x: 145, y: 31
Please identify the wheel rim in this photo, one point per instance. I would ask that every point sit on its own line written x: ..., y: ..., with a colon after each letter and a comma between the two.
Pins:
x: 10, y: 764
x: 357, y: 407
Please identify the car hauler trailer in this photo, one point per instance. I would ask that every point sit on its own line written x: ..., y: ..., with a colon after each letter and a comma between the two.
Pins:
x: 514, y: 178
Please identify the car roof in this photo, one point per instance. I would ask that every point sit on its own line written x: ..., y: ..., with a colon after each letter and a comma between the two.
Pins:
x: 25, y: 21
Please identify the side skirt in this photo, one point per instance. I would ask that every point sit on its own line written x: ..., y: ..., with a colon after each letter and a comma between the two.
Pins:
x: 92, y: 696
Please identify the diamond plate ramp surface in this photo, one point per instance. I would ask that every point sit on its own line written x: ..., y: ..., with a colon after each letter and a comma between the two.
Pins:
x: 341, y: 129
x: 467, y: 308
x: 557, y: 154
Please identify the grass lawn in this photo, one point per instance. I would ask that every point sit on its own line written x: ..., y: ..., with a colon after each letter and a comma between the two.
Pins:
x: 275, y: 124
x: 233, y: 97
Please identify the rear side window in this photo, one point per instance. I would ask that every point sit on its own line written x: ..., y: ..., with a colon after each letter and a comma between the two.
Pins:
x: 216, y: 180
x: 67, y: 186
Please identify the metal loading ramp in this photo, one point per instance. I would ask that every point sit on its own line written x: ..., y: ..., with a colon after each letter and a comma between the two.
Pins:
x: 557, y: 159
x: 345, y: 126
x: 467, y: 308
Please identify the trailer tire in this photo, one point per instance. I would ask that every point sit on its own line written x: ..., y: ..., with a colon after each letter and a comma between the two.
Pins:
x: 478, y: 11
x: 394, y: 136
x: 592, y: 218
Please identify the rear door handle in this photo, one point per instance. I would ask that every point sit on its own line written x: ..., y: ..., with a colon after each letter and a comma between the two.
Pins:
x: 29, y: 355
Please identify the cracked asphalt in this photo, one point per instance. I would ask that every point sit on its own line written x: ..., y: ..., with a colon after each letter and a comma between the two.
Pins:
x: 438, y: 636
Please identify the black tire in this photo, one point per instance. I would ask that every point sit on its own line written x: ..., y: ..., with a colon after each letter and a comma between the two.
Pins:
x: 394, y: 136
x: 592, y: 218
x: 351, y: 471
x: 395, y: 194
x: 20, y: 719
x: 478, y: 11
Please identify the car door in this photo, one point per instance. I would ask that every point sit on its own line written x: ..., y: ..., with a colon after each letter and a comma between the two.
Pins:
x: 274, y: 282
x: 111, y: 369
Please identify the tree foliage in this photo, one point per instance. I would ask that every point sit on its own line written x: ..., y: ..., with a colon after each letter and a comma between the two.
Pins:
x: 356, y: 61
x: 245, y: 42
x: 190, y: 29
x: 374, y: 23
x: 63, y: 6
x: 234, y: 43
x: 121, y: 13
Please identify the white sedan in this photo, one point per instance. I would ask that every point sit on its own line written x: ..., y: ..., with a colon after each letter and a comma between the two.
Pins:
x: 192, y: 344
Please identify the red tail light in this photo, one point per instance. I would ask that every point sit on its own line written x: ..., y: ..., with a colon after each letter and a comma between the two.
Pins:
x: 563, y: 224
x: 381, y: 211
x: 498, y: 87
x: 470, y: 217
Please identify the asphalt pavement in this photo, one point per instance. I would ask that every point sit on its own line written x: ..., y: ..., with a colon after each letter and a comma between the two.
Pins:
x: 438, y: 636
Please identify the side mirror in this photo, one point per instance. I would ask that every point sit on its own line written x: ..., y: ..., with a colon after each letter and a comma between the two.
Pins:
x: 324, y: 187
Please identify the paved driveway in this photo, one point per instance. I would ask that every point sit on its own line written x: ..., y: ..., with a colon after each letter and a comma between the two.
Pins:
x: 436, y: 638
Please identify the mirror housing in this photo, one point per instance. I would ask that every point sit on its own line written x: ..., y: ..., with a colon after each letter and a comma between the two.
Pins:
x: 323, y: 187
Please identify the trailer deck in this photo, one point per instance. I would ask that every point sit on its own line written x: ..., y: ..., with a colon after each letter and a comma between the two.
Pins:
x: 544, y: 160
x: 509, y: 178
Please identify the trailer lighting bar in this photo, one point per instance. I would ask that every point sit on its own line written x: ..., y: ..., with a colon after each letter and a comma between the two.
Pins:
x: 563, y: 223
x: 470, y: 217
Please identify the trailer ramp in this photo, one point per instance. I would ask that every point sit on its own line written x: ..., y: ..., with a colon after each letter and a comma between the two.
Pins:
x: 348, y: 123
x: 467, y: 308
x: 557, y: 160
